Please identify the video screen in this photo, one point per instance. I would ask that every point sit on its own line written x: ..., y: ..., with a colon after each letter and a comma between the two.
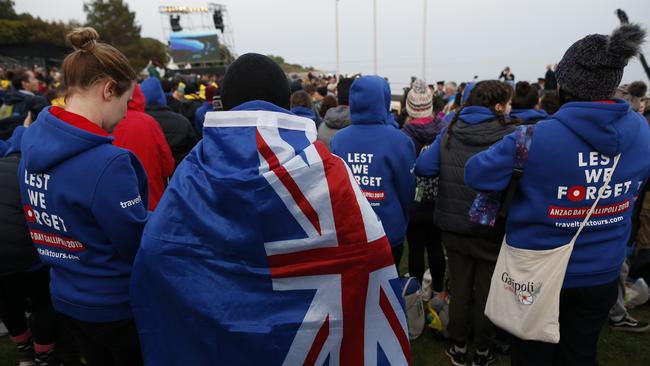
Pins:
x: 185, y: 47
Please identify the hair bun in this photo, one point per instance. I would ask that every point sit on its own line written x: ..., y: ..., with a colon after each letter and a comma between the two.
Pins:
x: 83, y: 39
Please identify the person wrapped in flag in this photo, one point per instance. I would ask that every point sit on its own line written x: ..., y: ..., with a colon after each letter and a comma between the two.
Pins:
x: 263, y: 249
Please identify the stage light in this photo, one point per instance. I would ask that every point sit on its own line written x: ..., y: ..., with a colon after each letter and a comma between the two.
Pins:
x: 217, y: 18
x: 175, y: 22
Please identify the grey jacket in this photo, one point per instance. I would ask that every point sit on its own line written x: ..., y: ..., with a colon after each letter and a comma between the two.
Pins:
x: 335, y: 119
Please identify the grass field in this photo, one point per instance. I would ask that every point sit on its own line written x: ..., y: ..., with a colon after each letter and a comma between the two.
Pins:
x: 615, y: 348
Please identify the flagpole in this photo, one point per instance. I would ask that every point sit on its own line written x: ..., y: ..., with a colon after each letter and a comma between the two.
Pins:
x: 374, y: 22
x: 338, y: 60
x: 424, y: 40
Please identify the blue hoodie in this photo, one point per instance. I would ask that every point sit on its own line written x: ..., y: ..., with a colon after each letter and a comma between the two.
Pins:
x: 380, y: 156
x: 199, y: 115
x: 529, y: 116
x: 85, y: 203
x: 153, y: 92
x: 13, y: 143
x: 428, y: 163
x: 304, y: 112
x: 567, y: 160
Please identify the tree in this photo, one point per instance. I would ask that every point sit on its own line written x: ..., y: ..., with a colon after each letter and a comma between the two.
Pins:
x: 116, y: 25
x: 7, y: 10
x: 114, y: 22
x: 153, y: 50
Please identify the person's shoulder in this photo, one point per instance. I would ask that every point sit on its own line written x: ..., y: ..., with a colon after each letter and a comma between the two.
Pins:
x: 401, y: 136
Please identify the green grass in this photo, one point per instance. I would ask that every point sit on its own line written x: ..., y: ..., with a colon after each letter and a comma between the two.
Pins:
x: 614, y: 349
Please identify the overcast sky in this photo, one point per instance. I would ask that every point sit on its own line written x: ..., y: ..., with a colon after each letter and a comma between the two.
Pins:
x: 464, y: 37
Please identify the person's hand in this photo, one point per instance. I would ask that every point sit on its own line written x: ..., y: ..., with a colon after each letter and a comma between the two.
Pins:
x: 28, y: 120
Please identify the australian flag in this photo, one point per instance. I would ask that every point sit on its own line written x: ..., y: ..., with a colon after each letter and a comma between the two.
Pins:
x: 264, y: 251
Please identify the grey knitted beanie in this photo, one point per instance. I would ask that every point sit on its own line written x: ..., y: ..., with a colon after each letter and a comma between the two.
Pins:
x: 592, y: 68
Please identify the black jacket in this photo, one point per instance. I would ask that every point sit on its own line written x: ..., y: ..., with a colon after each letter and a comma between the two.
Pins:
x: 454, y: 197
x: 17, y: 253
x: 21, y: 103
x: 179, y: 133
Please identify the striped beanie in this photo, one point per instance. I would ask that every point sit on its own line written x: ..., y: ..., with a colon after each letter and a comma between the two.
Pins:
x: 419, y: 102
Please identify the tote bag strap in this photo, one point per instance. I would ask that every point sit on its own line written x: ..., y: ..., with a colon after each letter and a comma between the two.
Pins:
x: 608, y: 179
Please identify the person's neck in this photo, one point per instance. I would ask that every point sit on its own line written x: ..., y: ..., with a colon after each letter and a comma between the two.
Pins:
x: 83, y: 107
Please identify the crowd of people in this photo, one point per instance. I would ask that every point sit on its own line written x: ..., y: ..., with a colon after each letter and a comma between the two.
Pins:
x: 144, y: 219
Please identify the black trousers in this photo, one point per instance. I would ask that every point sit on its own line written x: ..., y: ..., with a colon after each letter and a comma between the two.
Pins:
x: 397, y: 251
x: 28, y: 291
x: 470, y: 283
x: 583, y: 313
x: 423, y: 235
x: 106, y: 344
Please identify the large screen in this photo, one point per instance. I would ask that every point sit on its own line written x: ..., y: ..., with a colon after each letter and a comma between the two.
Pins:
x: 186, y: 47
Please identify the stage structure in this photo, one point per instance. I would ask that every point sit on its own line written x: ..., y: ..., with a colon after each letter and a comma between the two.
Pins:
x: 198, y: 37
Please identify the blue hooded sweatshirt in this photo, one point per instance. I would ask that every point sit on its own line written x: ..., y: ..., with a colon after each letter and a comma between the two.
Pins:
x: 381, y: 157
x: 85, y: 203
x: 153, y: 92
x: 428, y: 163
x: 304, y: 112
x: 568, y: 158
x: 529, y: 116
x: 13, y: 143
x: 199, y: 115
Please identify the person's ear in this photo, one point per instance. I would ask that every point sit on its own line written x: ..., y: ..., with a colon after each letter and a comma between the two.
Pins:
x: 500, y: 108
x: 108, y: 90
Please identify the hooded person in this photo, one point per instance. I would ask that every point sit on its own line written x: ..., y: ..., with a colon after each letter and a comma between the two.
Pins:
x: 526, y: 104
x: 423, y: 128
x: 178, y: 130
x: 337, y: 117
x: 85, y: 201
x: 380, y: 156
x: 569, y: 155
x: 260, y: 215
x: 139, y: 133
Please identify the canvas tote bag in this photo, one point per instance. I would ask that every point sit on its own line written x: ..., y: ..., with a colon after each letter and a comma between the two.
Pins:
x: 524, y: 297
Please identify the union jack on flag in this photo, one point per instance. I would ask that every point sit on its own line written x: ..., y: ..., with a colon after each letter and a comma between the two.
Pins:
x: 264, y: 250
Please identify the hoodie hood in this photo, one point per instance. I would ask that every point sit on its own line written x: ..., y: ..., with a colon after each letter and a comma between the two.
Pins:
x: 49, y: 141
x: 604, y: 126
x: 304, y: 112
x: 466, y: 92
x: 529, y: 114
x: 137, y: 101
x: 475, y: 114
x: 338, y: 117
x: 369, y: 100
x: 153, y: 92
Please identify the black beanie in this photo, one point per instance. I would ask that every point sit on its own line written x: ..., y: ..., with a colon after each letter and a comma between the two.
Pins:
x: 343, y: 91
x: 592, y: 68
x: 254, y: 77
